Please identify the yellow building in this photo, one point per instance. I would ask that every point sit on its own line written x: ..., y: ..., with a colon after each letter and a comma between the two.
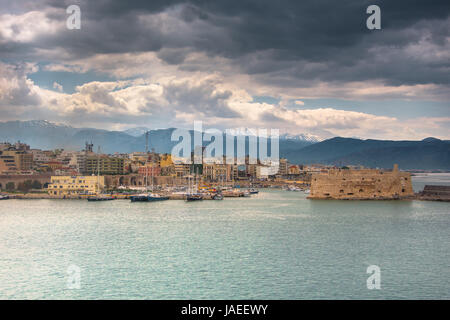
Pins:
x: 22, y: 161
x: 61, y: 186
x: 104, y: 164
x: 166, y: 160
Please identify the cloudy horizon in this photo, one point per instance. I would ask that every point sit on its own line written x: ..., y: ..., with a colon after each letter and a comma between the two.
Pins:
x: 302, y: 67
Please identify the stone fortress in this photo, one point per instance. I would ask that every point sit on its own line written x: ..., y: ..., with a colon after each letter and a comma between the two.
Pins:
x: 365, y: 184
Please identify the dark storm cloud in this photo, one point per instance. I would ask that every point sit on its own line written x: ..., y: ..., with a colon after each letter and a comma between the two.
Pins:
x: 292, y: 41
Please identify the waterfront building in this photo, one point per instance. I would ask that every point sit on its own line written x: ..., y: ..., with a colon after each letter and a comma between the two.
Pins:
x: 293, y: 170
x: 182, y: 169
x: 165, y: 160
x: 216, y: 172
x: 78, y: 161
x: 139, y: 156
x: 104, y: 164
x: 361, y: 184
x: 7, y: 163
x: 54, y: 165
x: 39, y: 156
x: 61, y: 186
x: 262, y: 172
x: 149, y: 170
x: 23, y: 161
x: 284, y: 164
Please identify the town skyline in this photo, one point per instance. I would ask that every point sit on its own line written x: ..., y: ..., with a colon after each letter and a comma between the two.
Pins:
x: 265, y: 65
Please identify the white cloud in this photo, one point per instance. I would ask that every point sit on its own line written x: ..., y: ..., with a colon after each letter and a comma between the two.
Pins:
x: 27, y: 27
x: 57, y: 86
x: 178, y: 101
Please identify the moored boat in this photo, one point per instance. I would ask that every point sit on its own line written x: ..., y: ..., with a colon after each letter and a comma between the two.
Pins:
x: 100, y: 198
x: 4, y: 197
x: 217, y: 196
x: 194, y: 197
x: 148, y: 197
x: 253, y: 191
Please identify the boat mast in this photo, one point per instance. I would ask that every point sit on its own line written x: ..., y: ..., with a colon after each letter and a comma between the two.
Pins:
x: 98, y: 169
x: 146, y: 160
x: 153, y: 164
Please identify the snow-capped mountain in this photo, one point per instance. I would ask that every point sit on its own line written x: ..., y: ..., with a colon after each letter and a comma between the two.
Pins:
x: 302, y: 137
x: 136, y: 132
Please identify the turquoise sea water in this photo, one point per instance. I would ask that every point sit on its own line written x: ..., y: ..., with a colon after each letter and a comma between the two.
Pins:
x: 275, y: 245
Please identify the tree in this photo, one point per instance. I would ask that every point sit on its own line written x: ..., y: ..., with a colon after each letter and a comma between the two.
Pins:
x: 36, y: 185
x: 10, y: 186
x: 25, y: 186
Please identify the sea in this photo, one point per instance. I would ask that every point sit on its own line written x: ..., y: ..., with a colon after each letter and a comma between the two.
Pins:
x: 273, y: 245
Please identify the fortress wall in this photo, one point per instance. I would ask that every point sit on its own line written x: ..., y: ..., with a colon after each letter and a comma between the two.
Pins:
x: 361, y: 184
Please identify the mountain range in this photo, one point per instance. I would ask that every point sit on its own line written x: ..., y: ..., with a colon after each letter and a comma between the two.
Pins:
x: 427, y: 154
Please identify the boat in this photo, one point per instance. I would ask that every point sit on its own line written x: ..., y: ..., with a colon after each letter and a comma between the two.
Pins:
x: 253, y: 191
x: 245, y: 194
x: 217, y: 196
x: 294, y: 188
x: 4, y: 197
x: 148, y: 197
x: 100, y: 198
x: 194, y: 197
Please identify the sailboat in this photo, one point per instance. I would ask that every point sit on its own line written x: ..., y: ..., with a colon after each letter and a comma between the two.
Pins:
x: 99, y: 196
x: 148, y: 196
x: 191, y: 196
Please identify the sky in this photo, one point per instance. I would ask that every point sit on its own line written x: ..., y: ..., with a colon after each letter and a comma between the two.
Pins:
x: 298, y: 66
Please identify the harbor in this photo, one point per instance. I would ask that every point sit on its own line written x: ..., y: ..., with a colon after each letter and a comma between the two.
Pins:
x: 275, y: 244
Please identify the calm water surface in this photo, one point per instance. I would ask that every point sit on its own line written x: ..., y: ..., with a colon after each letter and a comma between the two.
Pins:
x: 275, y: 245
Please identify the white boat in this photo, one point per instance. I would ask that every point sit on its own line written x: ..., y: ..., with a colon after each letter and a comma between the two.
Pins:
x: 4, y: 197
